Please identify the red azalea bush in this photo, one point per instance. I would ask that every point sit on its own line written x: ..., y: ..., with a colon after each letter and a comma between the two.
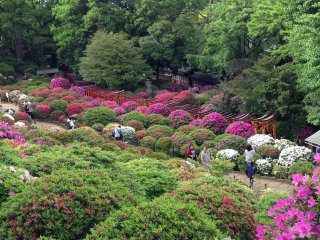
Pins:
x: 44, y: 109
x: 179, y: 118
x: 164, y: 97
x: 185, y: 97
x: 144, y: 94
x: 75, y: 108
x: 58, y: 90
x: 78, y: 90
x: 62, y: 118
x: 240, y: 129
x: 215, y: 122
x: 129, y: 106
x: 142, y: 109
x: 141, y: 134
x: 69, y: 98
x: 60, y: 82
x: 23, y: 116
x: 43, y: 93
x: 296, y: 217
x: 159, y: 108
x: 56, y: 114
x: 110, y: 104
x: 119, y: 111
x: 137, y: 125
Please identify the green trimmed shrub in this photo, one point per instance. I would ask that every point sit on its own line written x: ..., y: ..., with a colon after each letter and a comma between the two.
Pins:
x: 164, y: 218
x: 97, y: 127
x: 37, y: 99
x: 302, y: 167
x: 63, y: 205
x: 232, y: 142
x: 159, y: 131
x: 137, y: 125
x: 58, y: 105
x: 148, y: 142
x: 221, y: 168
x: 86, y: 134
x: 164, y: 145
x: 209, y: 144
x: 220, y: 137
x: 134, y: 116
x: 158, y: 155
x: 280, y: 171
x: 101, y: 115
x: 157, y: 119
x: 146, y: 177
x: 202, y: 135
x: 8, y: 155
x: 268, y: 151
x: 220, y: 199
x: 186, y: 129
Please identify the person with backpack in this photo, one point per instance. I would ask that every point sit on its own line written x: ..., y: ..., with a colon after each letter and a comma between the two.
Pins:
x: 118, y: 133
x: 29, y: 110
x: 250, y: 165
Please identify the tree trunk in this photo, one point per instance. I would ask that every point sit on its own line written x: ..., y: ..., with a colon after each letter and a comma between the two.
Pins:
x: 18, y: 45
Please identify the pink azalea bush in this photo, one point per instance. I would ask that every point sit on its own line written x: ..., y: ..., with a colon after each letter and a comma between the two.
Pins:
x: 69, y: 98
x: 57, y: 90
x: 60, y: 82
x: 78, y: 90
x: 296, y: 217
x: 6, y: 132
x: 129, y: 106
x: 184, y: 97
x: 42, y: 93
x: 62, y: 118
x: 142, y: 109
x: 75, y: 108
x: 197, y: 123
x: 110, y: 104
x: 240, y: 129
x: 144, y: 94
x: 159, y: 108
x: 305, y: 132
x: 23, y: 116
x: 216, y: 122
x: 119, y: 111
x: 44, y: 109
x: 180, y: 118
x: 94, y: 103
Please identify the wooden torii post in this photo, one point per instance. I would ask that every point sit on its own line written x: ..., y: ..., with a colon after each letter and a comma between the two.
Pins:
x: 264, y: 123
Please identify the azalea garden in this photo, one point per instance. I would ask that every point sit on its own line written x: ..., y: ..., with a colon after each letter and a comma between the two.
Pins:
x: 59, y: 183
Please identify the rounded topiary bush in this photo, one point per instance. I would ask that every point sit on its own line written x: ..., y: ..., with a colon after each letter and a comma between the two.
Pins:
x: 215, y: 122
x: 268, y: 151
x: 232, y: 142
x: 164, y: 144
x: 75, y: 108
x: 58, y: 105
x: 301, y: 167
x: 148, y: 142
x: 186, y: 129
x: 220, y: 199
x: 134, y: 116
x: 141, y: 134
x: 159, y: 108
x: 98, y: 127
x: 129, y: 106
x: 202, y: 135
x: 87, y: 135
x: 151, y: 177
x: 137, y: 125
x: 73, y: 200
x: 157, y: 119
x: 164, y: 218
x: 159, y: 131
x: 179, y: 118
x: 60, y: 82
x: 101, y: 115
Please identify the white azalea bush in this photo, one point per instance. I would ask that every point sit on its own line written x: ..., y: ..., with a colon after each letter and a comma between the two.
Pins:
x: 228, y: 154
x: 290, y: 155
x: 128, y: 134
x: 282, y: 144
x: 260, y: 140
x: 264, y: 166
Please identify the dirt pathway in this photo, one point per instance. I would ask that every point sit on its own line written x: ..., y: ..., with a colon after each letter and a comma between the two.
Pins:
x: 261, y: 183
x: 39, y: 124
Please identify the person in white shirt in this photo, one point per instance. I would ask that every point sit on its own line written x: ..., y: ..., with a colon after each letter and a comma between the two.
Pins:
x: 250, y: 167
x: 117, y: 133
x: 205, y: 156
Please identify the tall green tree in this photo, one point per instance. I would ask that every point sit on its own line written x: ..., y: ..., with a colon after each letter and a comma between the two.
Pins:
x: 112, y: 61
x: 303, y: 21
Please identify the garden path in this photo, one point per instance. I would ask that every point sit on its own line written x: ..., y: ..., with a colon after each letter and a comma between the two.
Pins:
x: 261, y: 182
x: 39, y: 124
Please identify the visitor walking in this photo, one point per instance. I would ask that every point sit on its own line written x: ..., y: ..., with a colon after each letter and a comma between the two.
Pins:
x: 191, y: 152
x: 118, y: 133
x: 206, y: 157
x: 250, y: 166
x: 71, y: 124
x: 29, y: 110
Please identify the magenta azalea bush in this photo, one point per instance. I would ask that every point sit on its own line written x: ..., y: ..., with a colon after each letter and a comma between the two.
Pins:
x: 129, y: 106
x: 6, y: 131
x: 179, y: 118
x: 75, y: 108
x: 159, y: 108
x: 110, y: 104
x: 119, y: 111
x: 60, y: 82
x: 78, y: 90
x: 94, y: 103
x: 44, y: 109
x: 240, y: 129
x: 144, y: 94
x: 142, y: 109
x: 164, y: 97
x: 216, y: 122
x: 296, y: 217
